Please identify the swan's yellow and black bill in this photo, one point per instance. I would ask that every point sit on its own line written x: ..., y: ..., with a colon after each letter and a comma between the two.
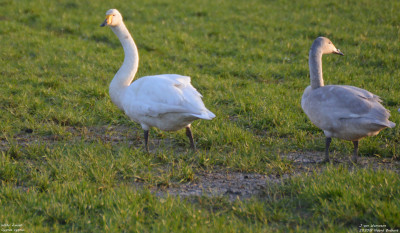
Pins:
x: 107, y: 21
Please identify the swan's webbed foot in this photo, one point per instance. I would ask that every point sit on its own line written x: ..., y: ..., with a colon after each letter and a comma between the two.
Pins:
x: 190, y: 136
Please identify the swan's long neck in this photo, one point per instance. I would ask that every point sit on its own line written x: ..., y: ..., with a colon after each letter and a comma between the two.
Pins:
x: 315, y: 63
x: 126, y: 73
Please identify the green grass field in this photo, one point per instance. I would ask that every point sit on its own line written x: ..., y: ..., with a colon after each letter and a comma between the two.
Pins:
x: 71, y: 161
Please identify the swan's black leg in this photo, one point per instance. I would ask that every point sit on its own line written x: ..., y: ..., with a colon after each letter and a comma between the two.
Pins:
x: 146, y: 140
x: 190, y: 136
x: 355, y: 152
x: 327, y: 144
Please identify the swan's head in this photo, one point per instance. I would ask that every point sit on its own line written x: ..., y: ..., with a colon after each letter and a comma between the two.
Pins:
x: 325, y: 46
x: 113, y: 18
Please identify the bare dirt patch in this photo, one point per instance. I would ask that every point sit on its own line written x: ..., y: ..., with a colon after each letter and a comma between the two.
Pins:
x: 111, y: 134
x: 307, y: 160
x: 240, y: 185
x: 218, y: 183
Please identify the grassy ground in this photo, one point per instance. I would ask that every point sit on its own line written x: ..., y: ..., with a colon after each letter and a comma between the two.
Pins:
x: 71, y: 161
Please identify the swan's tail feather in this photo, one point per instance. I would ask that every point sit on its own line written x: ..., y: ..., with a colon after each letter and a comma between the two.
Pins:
x: 206, y: 115
x: 381, y: 123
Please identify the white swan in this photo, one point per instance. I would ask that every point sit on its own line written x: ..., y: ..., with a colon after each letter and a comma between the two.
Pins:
x: 168, y: 101
x: 341, y: 111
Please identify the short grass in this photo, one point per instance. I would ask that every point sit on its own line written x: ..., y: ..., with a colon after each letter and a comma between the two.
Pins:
x: 247, y: 58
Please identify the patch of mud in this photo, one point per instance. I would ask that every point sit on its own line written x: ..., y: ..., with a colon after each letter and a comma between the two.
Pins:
x: 312, y: 160
x: 235, y: 185
x: 217, y: 183
x: 108, y: 134
x: 28, y: 137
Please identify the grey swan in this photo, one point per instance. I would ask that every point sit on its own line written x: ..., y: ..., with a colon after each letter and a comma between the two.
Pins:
x: 341, y: 111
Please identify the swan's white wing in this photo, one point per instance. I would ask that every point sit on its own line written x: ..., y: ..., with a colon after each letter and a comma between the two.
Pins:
x: 156, y: 95
x: 335, y: 102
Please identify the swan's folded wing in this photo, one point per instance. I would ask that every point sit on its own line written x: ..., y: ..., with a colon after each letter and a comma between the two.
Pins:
x: 341, y: 102
x: 362, y: 93
x: 160, y: 94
